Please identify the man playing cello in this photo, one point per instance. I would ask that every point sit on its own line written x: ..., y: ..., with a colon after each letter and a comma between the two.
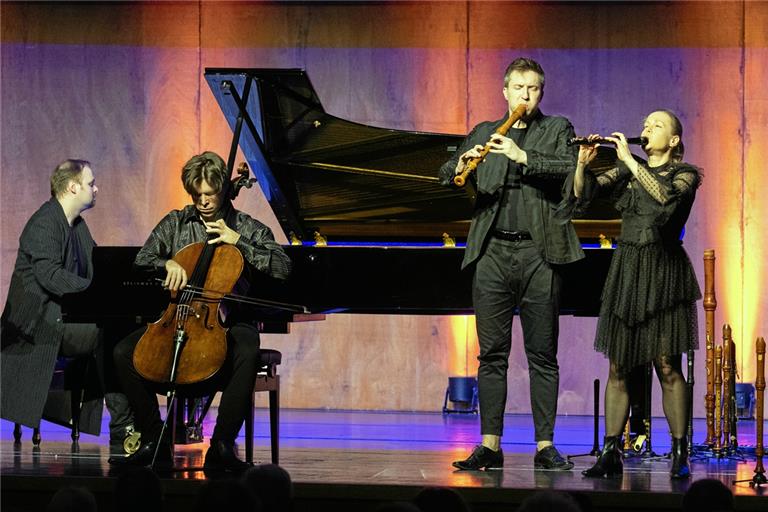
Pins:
x: 212, y: 218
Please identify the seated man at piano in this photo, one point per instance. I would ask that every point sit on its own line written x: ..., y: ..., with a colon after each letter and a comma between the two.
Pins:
x: 515, y: 245
x: 54, y: 258
x: 211, y: 219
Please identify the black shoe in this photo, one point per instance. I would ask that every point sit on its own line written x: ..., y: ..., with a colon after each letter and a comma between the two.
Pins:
x: 550, y: 458
x: 609, y: 461
x: 221, y: 456
x: 680, y: 468
x: 482, y: 458
x: 143, y: 457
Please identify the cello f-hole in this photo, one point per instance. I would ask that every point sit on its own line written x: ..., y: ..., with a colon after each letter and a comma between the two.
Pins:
x: 206, y: 316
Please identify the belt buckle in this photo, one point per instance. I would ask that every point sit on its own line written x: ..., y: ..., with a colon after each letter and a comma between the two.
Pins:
x: 510, y: 236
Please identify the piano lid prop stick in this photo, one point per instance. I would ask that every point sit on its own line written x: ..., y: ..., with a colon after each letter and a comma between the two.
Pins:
x: 461, y: 179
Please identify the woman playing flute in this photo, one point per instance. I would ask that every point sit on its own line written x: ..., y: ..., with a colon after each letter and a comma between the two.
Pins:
x: 648, y: 303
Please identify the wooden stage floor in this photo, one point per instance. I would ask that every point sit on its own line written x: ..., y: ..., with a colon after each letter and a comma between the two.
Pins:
x: 357, y: 460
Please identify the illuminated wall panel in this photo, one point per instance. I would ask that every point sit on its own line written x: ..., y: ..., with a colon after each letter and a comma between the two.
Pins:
x: 755, y: 313
x: 122, y: 85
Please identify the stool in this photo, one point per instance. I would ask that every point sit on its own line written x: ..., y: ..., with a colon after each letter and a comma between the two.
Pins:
x: 69, y: 374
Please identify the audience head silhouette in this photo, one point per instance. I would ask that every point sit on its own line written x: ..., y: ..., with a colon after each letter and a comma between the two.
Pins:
x: 272, y: 485
x: 138, y: 490
x: 72, y: 499
x: 227, y: 494
x: 549, y: 501
x: 708, y: 495
x: 440, y: 499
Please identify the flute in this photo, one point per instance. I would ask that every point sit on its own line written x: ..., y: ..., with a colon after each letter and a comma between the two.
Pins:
x: 460, y: 179
x: 584, y: 141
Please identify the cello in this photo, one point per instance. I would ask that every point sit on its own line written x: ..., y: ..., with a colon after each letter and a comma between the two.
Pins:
x: 188, y: 344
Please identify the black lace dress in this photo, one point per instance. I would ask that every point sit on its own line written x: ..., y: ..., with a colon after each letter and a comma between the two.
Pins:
x: 649, y: 299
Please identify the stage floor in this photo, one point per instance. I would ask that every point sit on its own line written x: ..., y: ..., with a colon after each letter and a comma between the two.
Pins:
x: 356, y: 460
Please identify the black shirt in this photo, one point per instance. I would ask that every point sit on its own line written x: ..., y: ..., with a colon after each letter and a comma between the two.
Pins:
x: 512, y: 215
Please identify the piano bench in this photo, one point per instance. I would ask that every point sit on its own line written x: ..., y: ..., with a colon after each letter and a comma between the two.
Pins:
x: 267, y: 379
x: 69, y: 377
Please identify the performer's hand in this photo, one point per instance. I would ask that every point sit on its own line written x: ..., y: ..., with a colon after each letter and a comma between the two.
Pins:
x: 474, y: 152
x: 226, y: 235
x: 506, y: 146
x: 176, y: 278
x: 587, y: 153
x: 622, y: 148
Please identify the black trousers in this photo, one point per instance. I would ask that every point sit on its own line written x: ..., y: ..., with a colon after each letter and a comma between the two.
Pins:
x: 235, y: 380
x: 83, y: 340
x: 512, y: 275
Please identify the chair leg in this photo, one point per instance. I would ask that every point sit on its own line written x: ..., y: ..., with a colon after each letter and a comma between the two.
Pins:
x: 16, y: 433
x: 249, y: 419
x: 76, y: 406
x: 274, y: 420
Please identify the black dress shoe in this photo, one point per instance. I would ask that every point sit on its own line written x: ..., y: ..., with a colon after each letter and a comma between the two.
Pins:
x: 221, y: 456
x: 550, y: 458
x: 143, y: 457
x: 482, y: 458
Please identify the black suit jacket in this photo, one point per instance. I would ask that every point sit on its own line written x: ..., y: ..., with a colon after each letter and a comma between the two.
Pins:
x: 549, y: 162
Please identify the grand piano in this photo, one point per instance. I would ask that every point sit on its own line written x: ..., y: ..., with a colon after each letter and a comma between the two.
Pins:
x: 370, y: 229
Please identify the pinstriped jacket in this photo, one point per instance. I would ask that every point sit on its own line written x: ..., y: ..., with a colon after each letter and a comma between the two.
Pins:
x: 30, y: 327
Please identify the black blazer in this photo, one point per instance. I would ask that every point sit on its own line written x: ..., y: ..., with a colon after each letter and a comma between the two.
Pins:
x: 549, y: 162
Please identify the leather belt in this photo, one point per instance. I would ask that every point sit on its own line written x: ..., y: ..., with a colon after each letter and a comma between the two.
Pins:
x: 512, y: 236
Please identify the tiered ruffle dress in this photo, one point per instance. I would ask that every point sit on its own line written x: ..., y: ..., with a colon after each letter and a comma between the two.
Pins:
x: 649, y: 298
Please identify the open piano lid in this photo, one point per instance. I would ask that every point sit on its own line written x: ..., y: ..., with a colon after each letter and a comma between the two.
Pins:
x: 329, y: 178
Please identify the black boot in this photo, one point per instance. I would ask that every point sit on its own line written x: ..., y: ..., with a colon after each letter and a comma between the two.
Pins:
x: 680, y: 468
x: 609, y: 462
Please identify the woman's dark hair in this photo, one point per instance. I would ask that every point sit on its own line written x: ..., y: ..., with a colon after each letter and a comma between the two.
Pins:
x: 678, y: 151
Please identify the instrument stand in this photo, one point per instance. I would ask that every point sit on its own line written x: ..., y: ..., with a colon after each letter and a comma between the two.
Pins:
x: 759, y: 479
x: 695, y: 451
x: 647, y: 454
x: 756, y: 481
x: 643, y: 442
x: 595, y: 443
x: 706, y: 452
x: 731, y: 452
